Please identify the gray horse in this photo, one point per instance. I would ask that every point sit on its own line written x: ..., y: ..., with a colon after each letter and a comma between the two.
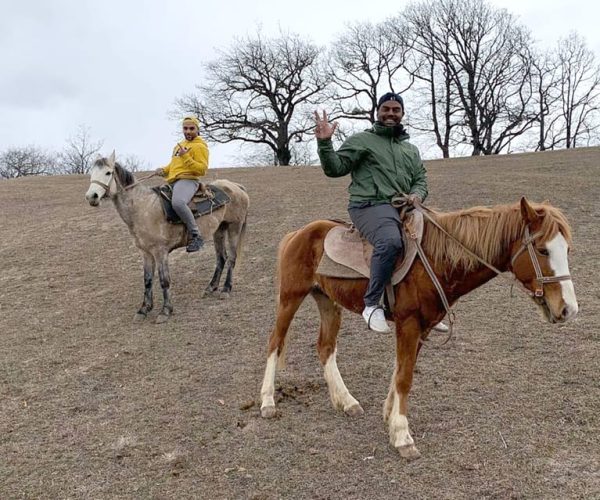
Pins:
x: 140, y: 208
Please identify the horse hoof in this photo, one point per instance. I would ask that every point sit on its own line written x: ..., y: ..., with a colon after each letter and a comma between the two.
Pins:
x: 208, y: 293
x: 354, y: 411
x: 224, y: 295
x: 268, y: 412
x: 161, y: 318
x: 140, y: 316
x: 409, y: 452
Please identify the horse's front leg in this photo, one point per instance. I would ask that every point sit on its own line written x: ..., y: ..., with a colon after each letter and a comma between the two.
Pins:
x: 165, y: 283
x: 395, y: 410
x: 148, y: 303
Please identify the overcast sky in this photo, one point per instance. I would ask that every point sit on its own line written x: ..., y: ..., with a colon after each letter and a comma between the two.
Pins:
x: 116, y: 66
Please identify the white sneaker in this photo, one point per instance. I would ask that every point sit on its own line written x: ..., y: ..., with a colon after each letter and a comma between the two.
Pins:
x: 441, y: 327
x: 375, y: 319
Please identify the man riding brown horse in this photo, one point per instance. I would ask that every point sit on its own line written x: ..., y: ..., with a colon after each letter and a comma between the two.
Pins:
x: 382, y: 164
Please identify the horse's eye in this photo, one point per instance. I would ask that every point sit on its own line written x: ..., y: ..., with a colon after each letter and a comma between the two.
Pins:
x: 543, y: 252
x: 107, y: 173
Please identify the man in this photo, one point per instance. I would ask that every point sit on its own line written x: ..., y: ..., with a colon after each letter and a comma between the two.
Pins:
x: 188, y: 164
x: 382, y: 164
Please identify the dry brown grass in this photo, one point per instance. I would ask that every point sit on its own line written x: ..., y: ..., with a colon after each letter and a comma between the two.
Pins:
x: 93, y: 405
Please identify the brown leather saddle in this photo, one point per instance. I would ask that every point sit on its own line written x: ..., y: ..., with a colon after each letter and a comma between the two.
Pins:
x: 348, y: 255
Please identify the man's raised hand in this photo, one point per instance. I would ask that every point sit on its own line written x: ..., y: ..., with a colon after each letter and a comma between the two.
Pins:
x: 324, y: 129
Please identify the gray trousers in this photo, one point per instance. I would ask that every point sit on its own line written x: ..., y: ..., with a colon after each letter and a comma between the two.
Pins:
x: 381, y: 226
x: 183, y: 191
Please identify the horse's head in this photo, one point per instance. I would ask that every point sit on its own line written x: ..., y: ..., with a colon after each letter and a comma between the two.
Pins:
x: 540, y: 261
x: 102, y: 180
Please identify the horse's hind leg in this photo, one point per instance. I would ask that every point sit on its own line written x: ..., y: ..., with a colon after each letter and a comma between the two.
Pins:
x: 219, y: 242
x: 147, y: 304
x: 331, y: 316
x: 234, y: 232
x: 165, y: 283
x: 276, y: 351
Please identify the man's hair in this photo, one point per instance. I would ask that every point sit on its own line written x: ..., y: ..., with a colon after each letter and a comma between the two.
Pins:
x: 390, y: 96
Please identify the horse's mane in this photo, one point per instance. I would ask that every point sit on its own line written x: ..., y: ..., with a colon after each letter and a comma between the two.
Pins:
x: 125, y: 176
x: 487, y: 231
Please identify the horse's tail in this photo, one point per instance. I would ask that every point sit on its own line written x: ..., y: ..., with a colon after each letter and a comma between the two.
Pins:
x: 282, y: 244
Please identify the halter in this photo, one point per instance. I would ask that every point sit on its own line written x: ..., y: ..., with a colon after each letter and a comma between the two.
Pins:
x: 103, y: 185
x: 527, y: 244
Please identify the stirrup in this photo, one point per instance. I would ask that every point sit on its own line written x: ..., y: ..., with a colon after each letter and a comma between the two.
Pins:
x: 388, y: 329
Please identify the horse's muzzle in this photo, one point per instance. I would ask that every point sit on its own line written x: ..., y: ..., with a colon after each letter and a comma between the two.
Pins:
x: 93, y: 199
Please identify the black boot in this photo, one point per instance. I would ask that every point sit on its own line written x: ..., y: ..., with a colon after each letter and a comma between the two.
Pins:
x: 195, y: 243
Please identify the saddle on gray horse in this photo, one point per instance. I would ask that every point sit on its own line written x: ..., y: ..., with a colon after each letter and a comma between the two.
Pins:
x: 348, y: 255
x: 208, y: 198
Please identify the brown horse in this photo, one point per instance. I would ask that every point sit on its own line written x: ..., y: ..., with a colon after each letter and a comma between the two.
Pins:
x: 141, y: 209
x: 499, y: 235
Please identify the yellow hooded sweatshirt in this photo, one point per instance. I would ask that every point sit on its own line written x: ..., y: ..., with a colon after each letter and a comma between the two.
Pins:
x: 191, y: 165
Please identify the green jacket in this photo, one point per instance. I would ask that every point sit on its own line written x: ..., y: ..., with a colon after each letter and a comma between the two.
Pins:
x: 380, y: 160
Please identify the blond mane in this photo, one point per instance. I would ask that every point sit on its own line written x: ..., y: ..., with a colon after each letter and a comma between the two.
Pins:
x: 487, y: 231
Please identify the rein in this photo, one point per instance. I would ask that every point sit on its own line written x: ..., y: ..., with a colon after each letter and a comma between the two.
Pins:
x: 527, y: 244
x: 106, y: 187
x: 139, y: 181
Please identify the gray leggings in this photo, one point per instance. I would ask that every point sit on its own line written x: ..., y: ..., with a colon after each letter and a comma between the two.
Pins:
x: 183, y: 191
x: 380, y: 225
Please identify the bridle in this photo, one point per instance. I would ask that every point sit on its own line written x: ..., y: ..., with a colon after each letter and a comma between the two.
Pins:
x: 106, y: 187
x: 527, y: 244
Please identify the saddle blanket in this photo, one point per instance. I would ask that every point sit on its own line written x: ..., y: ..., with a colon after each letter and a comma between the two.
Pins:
x: 207, y: 199
x: 348, y: 255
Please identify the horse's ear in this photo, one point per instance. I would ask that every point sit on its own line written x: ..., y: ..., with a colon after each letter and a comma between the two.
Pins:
x: 528, y: 212
x: 112, y: 158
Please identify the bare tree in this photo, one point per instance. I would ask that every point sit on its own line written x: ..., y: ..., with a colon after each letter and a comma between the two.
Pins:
x: 546, y: 85
x: 28, y: 160
x: 78, y: 155
x: 480, y: 56
x: 365, y: 62
x: 302, y: 154
x: 436, y: 103
x: 261, y: 91
x: 134, y: 163
x: 579, y: 77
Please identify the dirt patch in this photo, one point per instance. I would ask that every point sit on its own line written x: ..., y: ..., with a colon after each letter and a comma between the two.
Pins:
x: 94, y: 405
